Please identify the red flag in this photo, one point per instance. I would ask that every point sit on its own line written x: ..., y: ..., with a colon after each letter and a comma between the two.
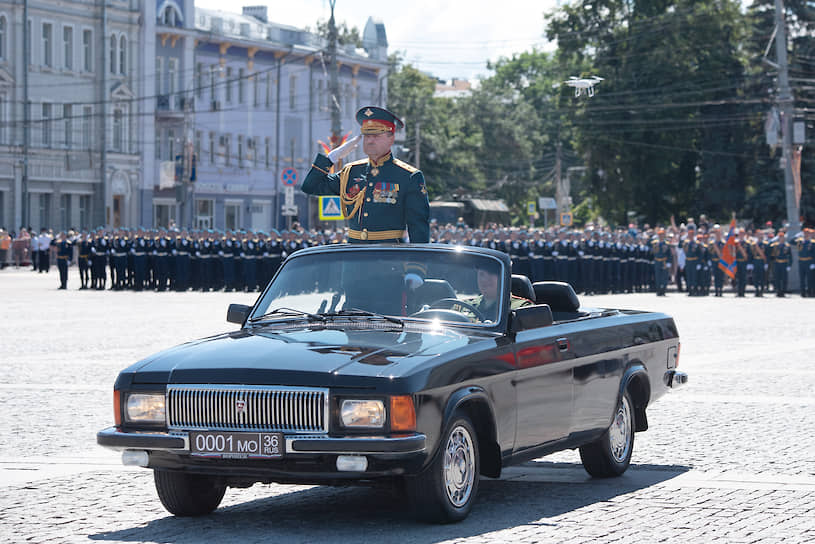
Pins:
x: 727, y: 262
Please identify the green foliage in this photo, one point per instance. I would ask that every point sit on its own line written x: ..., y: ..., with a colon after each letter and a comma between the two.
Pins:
x: 345, y: 35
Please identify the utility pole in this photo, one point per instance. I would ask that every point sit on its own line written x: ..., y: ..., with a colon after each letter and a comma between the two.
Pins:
x: 561, y: 196
x: 785, y: 102
x: 336, y: 121
x: 26, y: 206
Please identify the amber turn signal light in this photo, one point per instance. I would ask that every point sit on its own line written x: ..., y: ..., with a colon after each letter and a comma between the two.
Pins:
x: 117, y: 409
x: 403, y: 414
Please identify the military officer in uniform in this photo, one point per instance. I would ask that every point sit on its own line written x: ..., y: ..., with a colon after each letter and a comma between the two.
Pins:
x: 380, y: 195
x: 782, y: 256
x: 64, y: 253
x: 663, y: 258
x: 806, y: 261
x: 487, y: 302
x: 84, y: 259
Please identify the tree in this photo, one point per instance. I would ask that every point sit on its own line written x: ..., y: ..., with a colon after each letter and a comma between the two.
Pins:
x: 345, y: 35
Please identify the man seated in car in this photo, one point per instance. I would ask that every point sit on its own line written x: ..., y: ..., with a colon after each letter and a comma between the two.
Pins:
x: 487, y: 302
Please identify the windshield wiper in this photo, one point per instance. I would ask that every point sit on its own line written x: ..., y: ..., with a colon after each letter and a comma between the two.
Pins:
x: 288, y: 312
x: 365, y: 313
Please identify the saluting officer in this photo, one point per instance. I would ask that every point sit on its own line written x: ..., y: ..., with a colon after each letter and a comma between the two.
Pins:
x: 380, y: 195
x: 781, y: 254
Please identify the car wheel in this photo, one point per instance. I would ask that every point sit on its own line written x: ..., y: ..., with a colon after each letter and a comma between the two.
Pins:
x: 610, y: 455
x: 185, y: 494
x: 445, y: 491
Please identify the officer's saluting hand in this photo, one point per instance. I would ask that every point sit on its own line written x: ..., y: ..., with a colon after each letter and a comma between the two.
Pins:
x: 381, y: 196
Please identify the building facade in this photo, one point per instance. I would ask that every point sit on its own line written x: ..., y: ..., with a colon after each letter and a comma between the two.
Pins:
x: 145, y: 113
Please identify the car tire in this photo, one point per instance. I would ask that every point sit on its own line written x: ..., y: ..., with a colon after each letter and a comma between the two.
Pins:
x: 444, y: 492
x: 610, y: 455
x: 184, y: 494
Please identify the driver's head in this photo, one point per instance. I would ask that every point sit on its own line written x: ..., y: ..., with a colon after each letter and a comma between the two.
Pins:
x: 488, y: 282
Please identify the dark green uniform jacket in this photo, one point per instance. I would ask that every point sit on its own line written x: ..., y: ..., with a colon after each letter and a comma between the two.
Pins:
x: 379, y: 200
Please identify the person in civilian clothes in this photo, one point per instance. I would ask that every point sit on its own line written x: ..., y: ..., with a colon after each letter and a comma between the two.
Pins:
x: 380, y: 195
x: 44, y: 242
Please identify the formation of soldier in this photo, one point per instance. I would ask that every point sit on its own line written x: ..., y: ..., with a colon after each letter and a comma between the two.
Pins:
x: 595, y: 260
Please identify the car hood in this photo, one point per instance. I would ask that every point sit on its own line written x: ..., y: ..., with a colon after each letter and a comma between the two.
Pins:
x: 303, y: 356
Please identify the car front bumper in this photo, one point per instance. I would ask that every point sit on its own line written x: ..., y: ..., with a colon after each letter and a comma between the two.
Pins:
x: 305, y: 458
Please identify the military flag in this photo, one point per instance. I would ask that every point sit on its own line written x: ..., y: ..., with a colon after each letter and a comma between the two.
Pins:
x: 727, y: 261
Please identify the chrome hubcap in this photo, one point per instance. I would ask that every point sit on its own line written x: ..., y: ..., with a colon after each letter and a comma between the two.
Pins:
x: 459, y: 466
x: 619, y: 434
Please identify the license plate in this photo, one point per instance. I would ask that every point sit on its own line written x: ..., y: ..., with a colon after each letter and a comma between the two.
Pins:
x: 237, y: 445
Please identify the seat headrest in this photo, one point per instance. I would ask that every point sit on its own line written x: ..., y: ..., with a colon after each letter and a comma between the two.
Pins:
x: 433, y: 289
x: 522, y: 287
x: 557, y: 294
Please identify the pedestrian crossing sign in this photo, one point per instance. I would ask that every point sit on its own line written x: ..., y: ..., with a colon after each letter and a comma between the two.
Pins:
x: 330, y: 208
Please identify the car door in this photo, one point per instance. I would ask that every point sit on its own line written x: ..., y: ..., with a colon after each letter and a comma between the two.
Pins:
x: 543, y: 386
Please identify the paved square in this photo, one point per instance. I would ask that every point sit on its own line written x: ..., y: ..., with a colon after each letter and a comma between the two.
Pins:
x: 730, y: 458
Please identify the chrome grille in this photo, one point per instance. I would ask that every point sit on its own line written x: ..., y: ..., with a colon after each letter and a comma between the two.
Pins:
x: 247, y: 408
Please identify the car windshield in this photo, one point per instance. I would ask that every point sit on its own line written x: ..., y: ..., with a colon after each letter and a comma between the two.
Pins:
x: 452, y: 286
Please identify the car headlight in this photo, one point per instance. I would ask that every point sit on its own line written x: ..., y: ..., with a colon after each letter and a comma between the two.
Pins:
x: 145, y: 408
x: 362, y: 413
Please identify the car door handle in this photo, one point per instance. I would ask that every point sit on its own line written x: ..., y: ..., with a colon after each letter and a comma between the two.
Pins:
x: 563, y: 344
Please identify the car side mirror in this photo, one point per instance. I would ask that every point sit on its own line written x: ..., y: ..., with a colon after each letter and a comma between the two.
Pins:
x: 530, y: 317
x: 237, y: 313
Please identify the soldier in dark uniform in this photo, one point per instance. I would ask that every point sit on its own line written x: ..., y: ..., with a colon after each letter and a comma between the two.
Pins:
x: 742, y: 261
x: 65, y: 251
x: 380, y: 195
x: 120, y: 249
x: 806, y: 262
x: 139, y: 250
x: 781, y: 253
x: 182, y: 249
x: 84, y: 259
x: 693, y: 265
x: 758, y: 262
x: 663, y: 259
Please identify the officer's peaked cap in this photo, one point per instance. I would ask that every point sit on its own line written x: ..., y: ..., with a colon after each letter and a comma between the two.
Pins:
x: 376, y: 120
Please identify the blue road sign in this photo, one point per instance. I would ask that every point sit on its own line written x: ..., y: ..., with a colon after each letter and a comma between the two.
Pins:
x: 288, y: 176
x: 330, y: 208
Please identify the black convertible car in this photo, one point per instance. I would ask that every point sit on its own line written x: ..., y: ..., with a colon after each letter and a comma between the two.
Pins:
x: 425, y: 365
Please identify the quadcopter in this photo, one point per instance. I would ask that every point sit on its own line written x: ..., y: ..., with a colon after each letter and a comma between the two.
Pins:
x: 582, y: 85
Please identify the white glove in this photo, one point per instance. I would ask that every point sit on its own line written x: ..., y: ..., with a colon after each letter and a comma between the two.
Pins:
x: 766, y: 266
x: 221, y: 253
x: 698, y: 267
x: 667, y: 266
x: 812, y: 267
x: 788, y: 269
x: 554, y: 254
x: 749, y: 267
x: 413, y: 280
x: 336, y: 154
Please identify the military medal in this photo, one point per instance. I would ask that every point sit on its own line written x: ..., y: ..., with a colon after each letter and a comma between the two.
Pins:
x: 374, y: 171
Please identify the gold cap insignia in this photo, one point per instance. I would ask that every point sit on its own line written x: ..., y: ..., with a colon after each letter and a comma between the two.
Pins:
x: 368, y: 112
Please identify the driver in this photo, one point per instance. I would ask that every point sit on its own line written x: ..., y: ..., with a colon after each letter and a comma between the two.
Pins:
x: 487, y: 302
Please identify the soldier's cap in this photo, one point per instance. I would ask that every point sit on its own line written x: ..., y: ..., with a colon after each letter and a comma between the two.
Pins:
x: 691, y: 226
x: 660, y: 231
x: 416, y: 268
x: 376, y: 120
x: 810, y: 230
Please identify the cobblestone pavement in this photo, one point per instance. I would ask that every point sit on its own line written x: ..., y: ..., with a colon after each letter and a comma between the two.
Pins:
x: 730, y: 458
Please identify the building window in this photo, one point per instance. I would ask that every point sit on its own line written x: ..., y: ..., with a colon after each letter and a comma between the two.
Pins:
x: 46, y: 125
x: 228, y: 85
x: 170, y: 144
x: 64, y: 211
x: 212, y: 71
x: 240, y: 151
x: 163, y: 214
x: 267, y: 155
x: 241, y: 86
x: 2, y: 37
x: 253, y: 145
x: 122, y: 55
x: 268, y: 90
x: 112, y: 54
x: 87, y: 50
x: 211, y: 148
x: 68, y: 124
x: 197, y: 145
x: 227, y: 143
x: 84, y: 211
x: 232, y: 215
x: 292, y: 92
x: 204, y: 213
x: 87, y: 113
x: 256, y: 90
x: 159, y: 74
x: 3, y: 118
x: 158, y: 145
x: 68, y: 47
x: 199, y: 80
x: 117, y: 130
x: 172, y: 74
x: 44, y: 209
x: 47, y: 36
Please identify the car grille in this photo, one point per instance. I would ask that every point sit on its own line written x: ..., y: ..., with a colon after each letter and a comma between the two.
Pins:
x: 247, y: 408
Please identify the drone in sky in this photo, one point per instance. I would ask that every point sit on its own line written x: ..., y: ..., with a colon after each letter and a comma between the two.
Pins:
x: 583, y: 85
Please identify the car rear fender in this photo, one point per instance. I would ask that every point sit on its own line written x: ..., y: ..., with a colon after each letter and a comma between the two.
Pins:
x: 475, y: 402
x: 635, y: 381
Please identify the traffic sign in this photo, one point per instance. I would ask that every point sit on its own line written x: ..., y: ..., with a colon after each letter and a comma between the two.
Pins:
x: 566, y: 219
x: 330, y: 208
x: 530, y: 208
x: 288, y: 176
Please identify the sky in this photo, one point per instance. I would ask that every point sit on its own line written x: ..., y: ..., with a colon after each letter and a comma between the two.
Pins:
x: 446, y: 38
